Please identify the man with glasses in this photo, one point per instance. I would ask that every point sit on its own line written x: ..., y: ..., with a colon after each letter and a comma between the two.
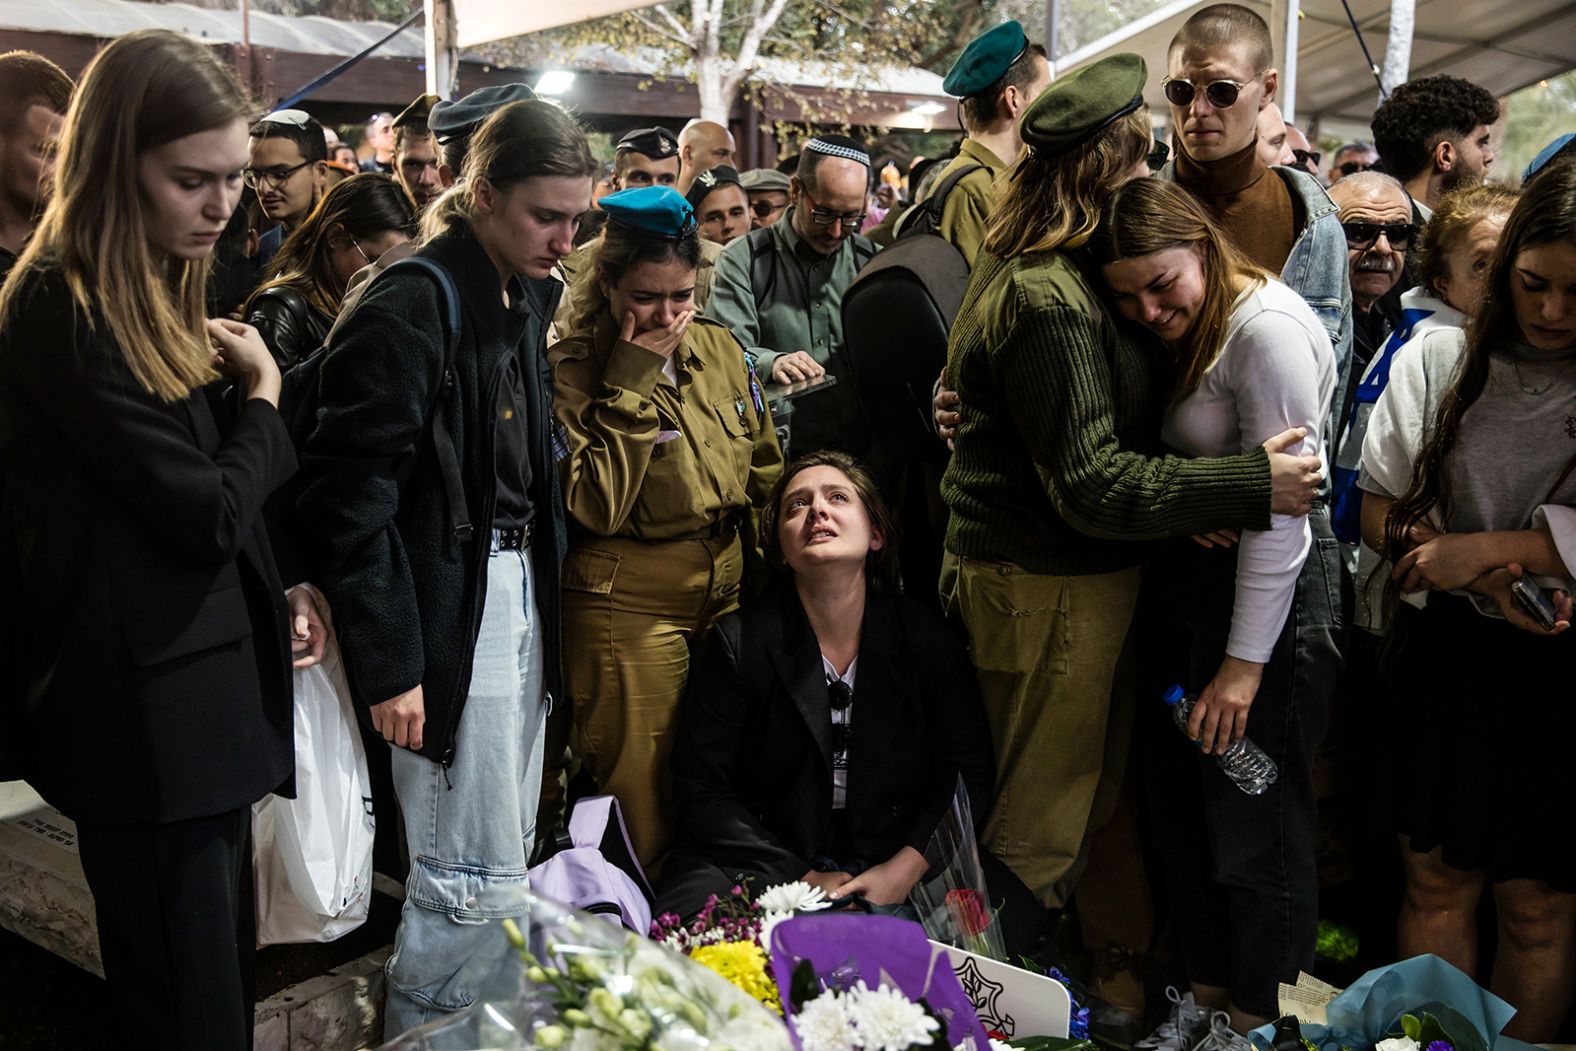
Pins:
x: 767, y: 189
x: 289, y: 171
x: 1219, y: 77
x: 416, y: 162
x: 780, y: 289
x: 1376, y: 216
x: 1304, y: 156
x: 1352, y: 158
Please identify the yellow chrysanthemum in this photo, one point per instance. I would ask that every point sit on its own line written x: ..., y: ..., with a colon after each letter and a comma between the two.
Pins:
x: 743, y: 964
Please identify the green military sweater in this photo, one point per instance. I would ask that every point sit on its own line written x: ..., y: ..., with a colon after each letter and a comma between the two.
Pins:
x: 1057, y: 466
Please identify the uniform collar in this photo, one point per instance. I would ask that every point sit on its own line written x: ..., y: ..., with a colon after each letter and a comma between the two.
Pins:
x: 982, y: 154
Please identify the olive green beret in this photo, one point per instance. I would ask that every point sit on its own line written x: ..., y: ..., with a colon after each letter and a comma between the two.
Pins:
x: 417, y: 112
x: 1077, y: 107
x: 985, y: 60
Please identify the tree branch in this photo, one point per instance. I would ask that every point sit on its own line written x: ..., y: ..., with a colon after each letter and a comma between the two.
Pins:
x: 964, y: 34
x: 663, y: 32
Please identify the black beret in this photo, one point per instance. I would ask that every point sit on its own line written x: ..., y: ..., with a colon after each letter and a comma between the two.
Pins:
x: 1077, y: 107
x: 657, y: 143
x: 452, y: 120
x: 986, y: 60
x: 709, y: 180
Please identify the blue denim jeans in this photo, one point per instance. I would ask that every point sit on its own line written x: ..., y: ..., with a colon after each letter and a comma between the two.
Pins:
x: 470, y: 828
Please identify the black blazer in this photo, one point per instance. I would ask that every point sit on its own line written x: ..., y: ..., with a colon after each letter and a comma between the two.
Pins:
x: 147, y: 677
x: 752, y: 766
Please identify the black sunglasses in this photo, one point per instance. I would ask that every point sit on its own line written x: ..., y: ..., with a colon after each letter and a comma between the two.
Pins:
x: 1305, y: 156
x: 766, y: 208
x: 1159, y: 153
x: 1353, y: 167
x: 1222, y: 94
x: 1363, y: 235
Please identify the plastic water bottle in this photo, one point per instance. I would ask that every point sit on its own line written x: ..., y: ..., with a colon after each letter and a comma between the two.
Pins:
x: 1244, y: 762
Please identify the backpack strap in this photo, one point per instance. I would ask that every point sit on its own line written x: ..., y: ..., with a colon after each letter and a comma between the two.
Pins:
x: 443, y: 400
x: 928, y: 212
x: 763, y: 264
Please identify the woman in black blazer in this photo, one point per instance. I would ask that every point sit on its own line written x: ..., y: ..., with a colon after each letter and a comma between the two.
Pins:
x: 826, y: 725
x: 145, y: 673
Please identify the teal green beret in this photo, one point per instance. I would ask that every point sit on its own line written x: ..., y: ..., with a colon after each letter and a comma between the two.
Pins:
x: 656, y: 210
x: 1077, y: 107
x: 985, y: 60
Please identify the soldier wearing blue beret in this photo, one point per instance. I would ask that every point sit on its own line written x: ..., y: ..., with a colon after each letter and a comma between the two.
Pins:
x: 671, y: 455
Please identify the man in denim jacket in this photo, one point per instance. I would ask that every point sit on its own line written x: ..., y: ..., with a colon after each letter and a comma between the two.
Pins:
x: 1219, y: 78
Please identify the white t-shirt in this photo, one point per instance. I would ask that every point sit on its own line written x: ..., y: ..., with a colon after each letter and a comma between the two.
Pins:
x: 1276, y: 370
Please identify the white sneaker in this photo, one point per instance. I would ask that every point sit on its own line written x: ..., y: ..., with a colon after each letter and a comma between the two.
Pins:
x: 1186, y: 1026
x: 1222, y: 1037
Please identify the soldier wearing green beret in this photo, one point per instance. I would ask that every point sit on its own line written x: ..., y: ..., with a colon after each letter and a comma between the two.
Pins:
x: 671, y: 455
x: 1055, y: 475
x: 998, y: 75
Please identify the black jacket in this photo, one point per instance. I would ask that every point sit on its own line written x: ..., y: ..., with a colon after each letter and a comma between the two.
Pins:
x: 407, y: 597
x: 148, y: 675
x: 752, y: 766
x: 288, y: 324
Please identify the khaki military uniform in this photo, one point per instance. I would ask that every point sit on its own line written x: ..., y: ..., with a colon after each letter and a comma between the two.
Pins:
x: 663, y: 481
x: 576, y: 266
x: 969, y: 205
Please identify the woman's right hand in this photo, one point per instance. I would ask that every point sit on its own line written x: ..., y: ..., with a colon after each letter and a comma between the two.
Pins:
x: 946, y: 409
x: 660, y: 341
x: 1294, y: 480
x: 239, y: 352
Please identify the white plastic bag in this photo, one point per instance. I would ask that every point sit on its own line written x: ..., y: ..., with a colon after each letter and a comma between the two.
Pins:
x: 313, y: 853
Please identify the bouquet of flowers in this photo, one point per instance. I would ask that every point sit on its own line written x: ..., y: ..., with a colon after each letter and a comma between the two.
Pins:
x: 869, y: 983
x: 1421, y: 1004
x: 952, y: 900
x: 569, y: 980
x: 730, y: 935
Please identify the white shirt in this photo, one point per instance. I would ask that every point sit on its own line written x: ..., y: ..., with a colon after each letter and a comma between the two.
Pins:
x: 1275, y: 370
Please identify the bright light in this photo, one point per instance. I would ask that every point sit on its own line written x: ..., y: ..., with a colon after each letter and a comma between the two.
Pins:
x: 927, y: 109
x: 554, y: 82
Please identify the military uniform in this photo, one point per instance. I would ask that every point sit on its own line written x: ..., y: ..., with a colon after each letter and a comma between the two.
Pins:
x: 968, y: 207
x: 577, y: 265
x: 663, y: 477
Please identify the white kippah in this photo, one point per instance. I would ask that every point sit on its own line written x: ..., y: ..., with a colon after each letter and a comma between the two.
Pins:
x: 836, y: 149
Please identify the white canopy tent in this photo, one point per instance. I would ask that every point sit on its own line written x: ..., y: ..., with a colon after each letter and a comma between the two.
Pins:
x: 453, y: 24
x: 1504, y: 45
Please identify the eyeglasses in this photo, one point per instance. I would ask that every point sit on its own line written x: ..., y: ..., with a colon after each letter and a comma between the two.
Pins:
x: 766, y: 209
x: 1159, y: 154
x: 296, y: 118
x: 273, y: 176
x: 1222, y: 94
x: 1364, y: 235
x: 1304, y: 157
x: 1353, y: 167
x: 821, y: 217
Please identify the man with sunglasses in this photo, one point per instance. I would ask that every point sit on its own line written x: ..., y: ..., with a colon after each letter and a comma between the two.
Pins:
x: 1352, y: 158
x: 1219, y: 77
x: 768, y: 192
x: 1303, y: 156
x: 780, y: 289
x: 289, y: 171
x: 1376, y: 216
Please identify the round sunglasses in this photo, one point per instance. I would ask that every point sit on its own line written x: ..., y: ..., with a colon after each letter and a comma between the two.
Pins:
x: 1222, y: 94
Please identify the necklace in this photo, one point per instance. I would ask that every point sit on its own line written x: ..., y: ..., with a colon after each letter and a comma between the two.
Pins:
x: 1515, y: 363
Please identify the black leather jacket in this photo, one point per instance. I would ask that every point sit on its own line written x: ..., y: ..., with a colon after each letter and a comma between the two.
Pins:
x: 288, y: 324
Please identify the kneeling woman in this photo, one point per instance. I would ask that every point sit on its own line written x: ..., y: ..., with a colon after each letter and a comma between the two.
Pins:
x: 1251, y: 631
x: 825, y: 729
x: 670, y: 454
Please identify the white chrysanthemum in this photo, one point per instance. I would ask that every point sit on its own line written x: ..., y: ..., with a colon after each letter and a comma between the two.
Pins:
x: 769, y: 921
x: 886, y: 1020
x: 823, y: 1024
x: 797, y: 896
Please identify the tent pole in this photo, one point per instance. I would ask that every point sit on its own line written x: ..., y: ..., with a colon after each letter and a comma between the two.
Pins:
x: 1286, y: 94
x: 442, y: 53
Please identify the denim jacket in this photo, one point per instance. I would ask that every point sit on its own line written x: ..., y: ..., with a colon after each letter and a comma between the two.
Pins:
x: 1317, y: 270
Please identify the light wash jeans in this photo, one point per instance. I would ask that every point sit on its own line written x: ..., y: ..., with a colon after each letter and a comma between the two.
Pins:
x: 470, y: 829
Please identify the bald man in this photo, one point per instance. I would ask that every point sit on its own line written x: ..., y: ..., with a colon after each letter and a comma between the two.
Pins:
x: 1272, y: 146
x: 703, y: 145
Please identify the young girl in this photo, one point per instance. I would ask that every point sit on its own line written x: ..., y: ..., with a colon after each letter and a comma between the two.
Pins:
x: 355, y: 223
x: 1468, y: 474
x: 671, y: 454
x: 148, y: 684
x: 1251, y: 630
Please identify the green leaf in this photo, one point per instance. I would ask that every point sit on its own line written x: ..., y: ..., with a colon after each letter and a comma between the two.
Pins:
x: 805, y: 986
x: 1412, y: 1027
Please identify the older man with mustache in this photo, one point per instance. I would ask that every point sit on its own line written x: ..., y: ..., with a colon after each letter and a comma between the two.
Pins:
x: 1376, y: 215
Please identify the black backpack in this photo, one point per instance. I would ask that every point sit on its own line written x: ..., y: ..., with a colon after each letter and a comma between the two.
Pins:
x: 298, y: 404
x: 896, y: 317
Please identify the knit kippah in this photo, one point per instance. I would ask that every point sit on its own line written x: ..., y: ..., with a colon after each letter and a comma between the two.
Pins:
x: 839, y: 146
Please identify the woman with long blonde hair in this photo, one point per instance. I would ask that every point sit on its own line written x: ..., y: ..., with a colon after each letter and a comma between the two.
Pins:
x: 147, y: 691
x: 1252, y: 629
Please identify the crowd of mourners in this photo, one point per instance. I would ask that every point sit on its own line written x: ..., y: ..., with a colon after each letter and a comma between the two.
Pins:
x: 497, y: 423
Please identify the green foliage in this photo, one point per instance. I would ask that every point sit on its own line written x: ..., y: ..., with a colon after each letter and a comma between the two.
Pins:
x: 1535, y: 115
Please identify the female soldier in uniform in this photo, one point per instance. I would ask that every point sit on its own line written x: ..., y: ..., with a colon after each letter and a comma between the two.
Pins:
x: 671, y: 454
